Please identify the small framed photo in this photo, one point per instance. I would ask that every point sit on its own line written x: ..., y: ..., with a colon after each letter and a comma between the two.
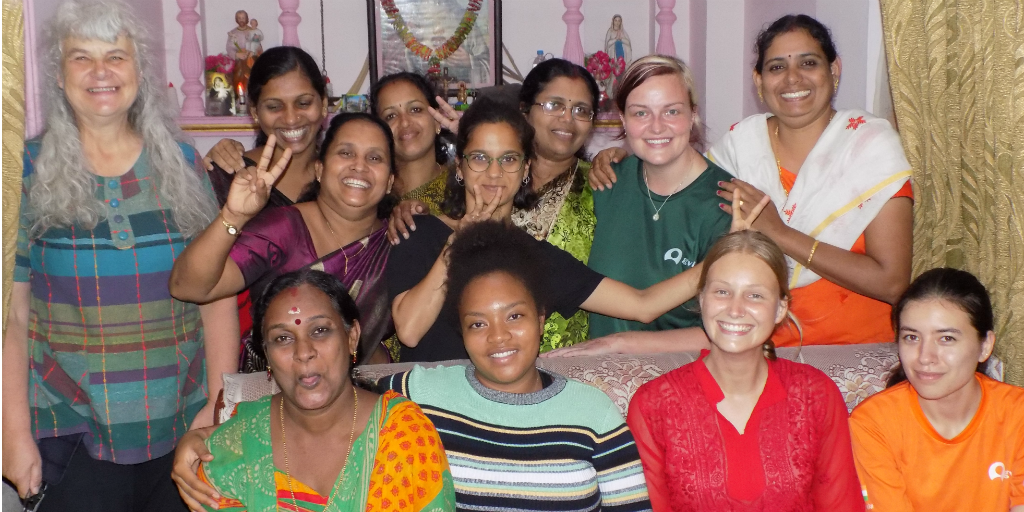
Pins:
x: 219, y: 96
x: 429, y: 36
x: 355, y: 103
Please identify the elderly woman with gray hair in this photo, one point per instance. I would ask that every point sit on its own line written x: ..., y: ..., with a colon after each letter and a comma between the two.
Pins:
x: 103, y: 371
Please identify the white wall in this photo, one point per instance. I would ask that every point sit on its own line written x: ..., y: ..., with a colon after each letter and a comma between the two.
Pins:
x: 531, y: 25
x: 726, y: 77
x: 715, y: 36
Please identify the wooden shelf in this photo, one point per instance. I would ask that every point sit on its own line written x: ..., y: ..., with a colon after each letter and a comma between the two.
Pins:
x: 223, y: 125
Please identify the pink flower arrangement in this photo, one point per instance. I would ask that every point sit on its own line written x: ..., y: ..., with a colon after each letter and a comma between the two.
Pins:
x: 220, y: 63
x: 603, y: 67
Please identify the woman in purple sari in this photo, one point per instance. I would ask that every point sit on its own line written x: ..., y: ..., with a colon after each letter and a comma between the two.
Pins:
x: 341, y: 232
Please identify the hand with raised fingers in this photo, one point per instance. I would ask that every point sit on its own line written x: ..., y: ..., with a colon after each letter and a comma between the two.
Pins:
x: 480, y: 210
x: 602, y: 175
x: 227, y: 154
x: 741, y: 220
x: 402, y: 222
x: 190, y: 452
x: 750, y: 208
x: 250, y: 190
x: 447, y: 116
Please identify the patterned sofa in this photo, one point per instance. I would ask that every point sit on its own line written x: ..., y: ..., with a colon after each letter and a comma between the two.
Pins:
x: 858, y: 370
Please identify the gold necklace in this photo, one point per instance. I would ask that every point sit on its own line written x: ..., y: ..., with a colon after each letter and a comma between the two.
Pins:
x: 335, y: 236
x: 284, y: 448
x: 775, y: 141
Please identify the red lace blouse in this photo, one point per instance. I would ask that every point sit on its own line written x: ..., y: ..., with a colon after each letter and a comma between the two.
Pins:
x: 795, y: 453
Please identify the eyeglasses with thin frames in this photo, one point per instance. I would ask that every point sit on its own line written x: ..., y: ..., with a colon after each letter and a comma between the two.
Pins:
x: 557, y: 108
x: 509, y: 163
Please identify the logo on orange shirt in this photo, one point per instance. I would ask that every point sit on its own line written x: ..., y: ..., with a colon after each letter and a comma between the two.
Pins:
x: 998, y: 470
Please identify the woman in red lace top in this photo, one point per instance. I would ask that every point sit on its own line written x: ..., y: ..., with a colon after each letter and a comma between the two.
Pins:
x: 738, y: 429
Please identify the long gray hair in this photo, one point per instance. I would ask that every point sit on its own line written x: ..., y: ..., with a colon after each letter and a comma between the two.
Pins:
x: 63, y: 188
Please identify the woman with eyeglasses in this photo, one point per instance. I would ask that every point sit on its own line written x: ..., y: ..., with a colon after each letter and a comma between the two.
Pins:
x: 558, y: 99
x: 495, y: 152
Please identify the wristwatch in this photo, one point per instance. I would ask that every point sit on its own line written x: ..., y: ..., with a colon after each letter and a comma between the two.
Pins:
x: 232, y: 230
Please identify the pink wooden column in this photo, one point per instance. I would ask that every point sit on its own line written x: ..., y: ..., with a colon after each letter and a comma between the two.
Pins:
x: 289, y: 22
x: 33, y: 106
x: 190, y: 62
x: 573, y: 50
x: 666, y: 18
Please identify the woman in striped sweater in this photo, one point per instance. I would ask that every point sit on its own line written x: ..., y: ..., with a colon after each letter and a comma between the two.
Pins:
x: 517, y: 437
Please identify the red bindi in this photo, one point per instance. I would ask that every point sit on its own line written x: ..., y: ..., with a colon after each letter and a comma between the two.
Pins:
x: 297, y: 321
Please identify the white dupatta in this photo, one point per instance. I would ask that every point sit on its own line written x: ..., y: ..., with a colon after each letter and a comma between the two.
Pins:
x: 855, y: 167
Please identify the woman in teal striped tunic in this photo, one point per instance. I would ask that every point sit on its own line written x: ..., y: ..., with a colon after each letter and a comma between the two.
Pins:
x: 518, y: 437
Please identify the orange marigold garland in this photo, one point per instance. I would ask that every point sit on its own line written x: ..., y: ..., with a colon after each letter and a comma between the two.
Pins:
x: 432, y: 55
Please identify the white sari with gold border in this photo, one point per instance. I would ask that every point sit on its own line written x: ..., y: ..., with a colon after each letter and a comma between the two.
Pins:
x: 855, y: 167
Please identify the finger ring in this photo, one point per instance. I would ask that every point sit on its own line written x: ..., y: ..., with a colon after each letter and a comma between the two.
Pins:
x: 741, y: 202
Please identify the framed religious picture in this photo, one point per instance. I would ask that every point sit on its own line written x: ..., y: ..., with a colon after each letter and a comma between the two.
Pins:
x: 462, y: 37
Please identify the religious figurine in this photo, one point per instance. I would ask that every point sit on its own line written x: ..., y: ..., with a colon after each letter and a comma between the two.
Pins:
x: 255, y: 38
x: 445, y: 80
x: 238, y: 47
x: 617, y: 46
x: 462, y: 97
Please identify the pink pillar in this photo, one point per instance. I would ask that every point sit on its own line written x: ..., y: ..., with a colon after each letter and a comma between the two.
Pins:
x: 573, y: 50
x: 665, y: 18
x: 190, y: 62
x: 33, y: 107
x: 289, y: 22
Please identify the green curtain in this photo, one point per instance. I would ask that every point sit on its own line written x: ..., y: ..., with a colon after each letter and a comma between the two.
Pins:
x: 956, y: 69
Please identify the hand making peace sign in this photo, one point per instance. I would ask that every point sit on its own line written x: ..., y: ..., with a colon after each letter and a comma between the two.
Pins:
x: 250, y: 189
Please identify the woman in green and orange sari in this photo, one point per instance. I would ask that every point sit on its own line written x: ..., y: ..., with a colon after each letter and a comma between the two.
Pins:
x: 322, y: 444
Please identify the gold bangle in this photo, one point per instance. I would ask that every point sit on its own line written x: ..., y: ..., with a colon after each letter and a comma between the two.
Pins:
x: 811, y: 255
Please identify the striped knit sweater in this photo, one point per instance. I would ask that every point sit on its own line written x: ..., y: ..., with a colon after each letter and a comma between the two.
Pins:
x: 563, y: 448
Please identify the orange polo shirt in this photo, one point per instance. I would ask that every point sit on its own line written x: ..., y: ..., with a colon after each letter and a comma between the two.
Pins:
x: 831, y: 314
x: 905, y: 465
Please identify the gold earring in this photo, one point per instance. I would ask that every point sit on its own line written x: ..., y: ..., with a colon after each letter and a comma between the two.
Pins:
x: 835, y: 86
x: 760, y: 96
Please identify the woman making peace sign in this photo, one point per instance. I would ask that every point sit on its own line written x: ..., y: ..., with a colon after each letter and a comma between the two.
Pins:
x: 341, y: 232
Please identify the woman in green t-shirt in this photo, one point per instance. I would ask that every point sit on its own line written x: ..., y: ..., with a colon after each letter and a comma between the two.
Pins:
x: 662, y: 216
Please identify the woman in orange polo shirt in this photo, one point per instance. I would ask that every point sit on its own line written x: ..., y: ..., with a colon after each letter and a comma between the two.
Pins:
x: 948, y: 437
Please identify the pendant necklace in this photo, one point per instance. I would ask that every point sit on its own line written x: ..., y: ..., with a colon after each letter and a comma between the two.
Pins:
x: 657, y: 209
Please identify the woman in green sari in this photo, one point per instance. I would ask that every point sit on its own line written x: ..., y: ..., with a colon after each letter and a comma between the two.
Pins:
x: 559, y: 100
x: 322, y: 443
